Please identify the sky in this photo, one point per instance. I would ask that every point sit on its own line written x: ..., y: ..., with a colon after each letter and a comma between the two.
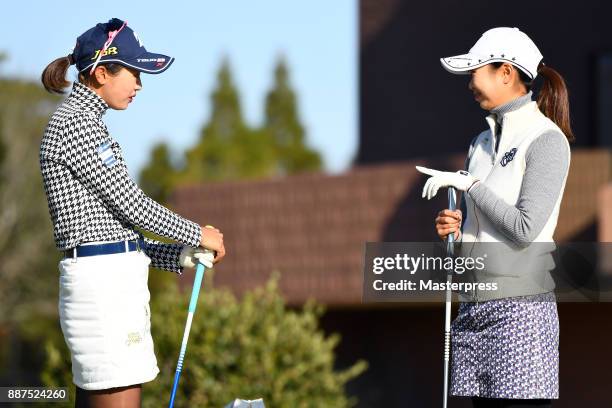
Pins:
x: 318, y: 39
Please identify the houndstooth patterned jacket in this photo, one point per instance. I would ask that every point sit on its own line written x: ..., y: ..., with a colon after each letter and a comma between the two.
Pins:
x: 90, y: 194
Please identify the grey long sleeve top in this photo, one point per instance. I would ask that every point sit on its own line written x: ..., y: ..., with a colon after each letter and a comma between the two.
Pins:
x: 546, y: 165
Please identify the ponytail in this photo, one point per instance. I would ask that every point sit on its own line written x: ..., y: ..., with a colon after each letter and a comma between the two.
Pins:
x: 553, y: 100
x: 54, y: 76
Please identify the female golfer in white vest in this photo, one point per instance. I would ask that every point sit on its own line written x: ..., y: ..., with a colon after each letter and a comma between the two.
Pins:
x: 95, y: 207
x: 505, y: 342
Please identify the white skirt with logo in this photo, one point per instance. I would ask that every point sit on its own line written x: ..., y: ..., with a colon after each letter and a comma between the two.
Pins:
x: 105, y: 317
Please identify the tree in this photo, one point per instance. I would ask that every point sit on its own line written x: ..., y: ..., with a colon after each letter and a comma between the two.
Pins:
x: 283, y: 124
x: 3, y: 57
x: 28, y: 287
x: 249, y: 348
x: 228, y: 148
x: 158, y: 177
x: 226, y: 118
x: 2, y: 151
x: 27, y: 248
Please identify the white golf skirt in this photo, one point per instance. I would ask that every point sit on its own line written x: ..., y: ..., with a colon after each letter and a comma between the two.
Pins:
x: 105, y: 317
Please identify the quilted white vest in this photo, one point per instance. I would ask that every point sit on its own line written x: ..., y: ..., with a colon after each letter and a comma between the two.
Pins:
x: 502, y: 173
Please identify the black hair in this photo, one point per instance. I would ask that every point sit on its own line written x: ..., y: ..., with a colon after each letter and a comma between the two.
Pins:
x: 553, y: 98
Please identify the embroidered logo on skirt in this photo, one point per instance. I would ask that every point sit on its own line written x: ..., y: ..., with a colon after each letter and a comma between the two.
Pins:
x: 133, y: 338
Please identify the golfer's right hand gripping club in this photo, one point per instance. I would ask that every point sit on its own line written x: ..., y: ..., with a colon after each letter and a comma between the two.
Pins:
x: 206, y: 259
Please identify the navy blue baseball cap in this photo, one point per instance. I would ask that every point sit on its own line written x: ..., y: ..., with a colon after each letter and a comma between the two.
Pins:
x: 124, y: 48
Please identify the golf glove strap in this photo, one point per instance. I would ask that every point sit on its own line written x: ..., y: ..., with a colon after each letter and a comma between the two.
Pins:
x: 189, y: 257
x: 461, y: 180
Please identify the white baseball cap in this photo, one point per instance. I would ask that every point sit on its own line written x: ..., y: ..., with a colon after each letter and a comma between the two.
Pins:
x: 501, y: 44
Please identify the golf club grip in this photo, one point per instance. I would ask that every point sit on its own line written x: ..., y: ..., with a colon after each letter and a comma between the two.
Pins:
x: 452, y: 205
x: 197, y: 283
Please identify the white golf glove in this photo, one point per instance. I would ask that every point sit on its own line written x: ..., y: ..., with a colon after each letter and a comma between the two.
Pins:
x: 189, y: 257
x: 461, y: 180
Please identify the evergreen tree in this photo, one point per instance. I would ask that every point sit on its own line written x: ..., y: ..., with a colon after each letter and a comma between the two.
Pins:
x: 227, y: 148
x: 283, y: 125
x: 226, y: 118
x: 158, y: 178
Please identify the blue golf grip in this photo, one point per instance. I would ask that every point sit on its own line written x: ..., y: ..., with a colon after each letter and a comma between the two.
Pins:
x: 195, y: 292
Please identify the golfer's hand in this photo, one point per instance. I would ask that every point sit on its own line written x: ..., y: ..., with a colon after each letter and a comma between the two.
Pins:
x: 448, y: 222
x: 461, y: 180
x: 212, y: 238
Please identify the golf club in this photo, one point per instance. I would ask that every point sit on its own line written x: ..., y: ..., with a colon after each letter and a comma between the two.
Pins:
x: 452, y: 204
x: 195, y: 292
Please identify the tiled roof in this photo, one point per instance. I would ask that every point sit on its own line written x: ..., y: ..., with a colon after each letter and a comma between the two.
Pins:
x: 312, y: 228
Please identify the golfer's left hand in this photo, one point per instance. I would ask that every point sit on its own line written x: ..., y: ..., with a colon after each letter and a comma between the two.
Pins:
x: 461, y: 180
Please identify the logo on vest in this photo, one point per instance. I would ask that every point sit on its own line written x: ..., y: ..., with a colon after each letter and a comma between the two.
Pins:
x: 508, y: 157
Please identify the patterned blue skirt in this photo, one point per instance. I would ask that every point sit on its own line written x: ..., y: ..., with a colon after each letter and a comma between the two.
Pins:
x: 506, y: 348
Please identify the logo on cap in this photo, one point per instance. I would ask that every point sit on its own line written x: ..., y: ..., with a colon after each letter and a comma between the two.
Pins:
x: 109, y: 51
x: 151, y: 59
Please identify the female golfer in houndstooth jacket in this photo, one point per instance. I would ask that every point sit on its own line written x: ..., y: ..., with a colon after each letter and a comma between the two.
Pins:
x: 95, y: 206
x: 505, y: 343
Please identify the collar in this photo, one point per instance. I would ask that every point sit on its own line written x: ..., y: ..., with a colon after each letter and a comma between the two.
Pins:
x: 84, y: 99
x: 515, y: 123
x: 501, y: 111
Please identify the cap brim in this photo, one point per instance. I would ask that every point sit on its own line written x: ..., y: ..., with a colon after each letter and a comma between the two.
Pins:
x: 150, y: 63
x: 463, y: 64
